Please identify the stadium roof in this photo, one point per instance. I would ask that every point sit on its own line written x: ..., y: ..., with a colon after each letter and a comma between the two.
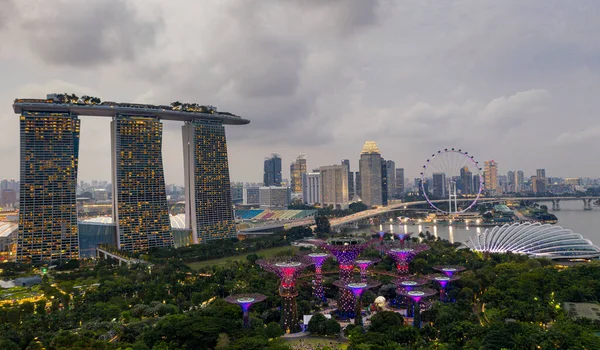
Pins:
x: 177, y: 221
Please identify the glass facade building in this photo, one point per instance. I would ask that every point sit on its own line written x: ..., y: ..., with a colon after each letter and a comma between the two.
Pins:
x: 48, y: 214
x: 209, y: 210
x: 92, y: 234
x: 139, y: 198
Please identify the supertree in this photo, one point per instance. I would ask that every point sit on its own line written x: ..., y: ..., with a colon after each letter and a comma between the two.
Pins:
x: 381, y: 236
x: 403, y: 236
x: 345, y: 250
x: 449, y: 270
x: 245, y: 301
x: 357, y: 289
x: 443, y: 281
x: 408, y: 283
x: 288, y: 269
x: 318, y: 259
x: 416, y: 295
x: 363, y: 265
x: 403, y: 255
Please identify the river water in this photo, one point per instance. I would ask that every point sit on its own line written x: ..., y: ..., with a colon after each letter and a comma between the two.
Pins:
x: 571, y: 216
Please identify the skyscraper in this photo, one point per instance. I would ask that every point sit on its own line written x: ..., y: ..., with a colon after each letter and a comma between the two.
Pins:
x: 358, y: 184
x: 311, y: 188
x: 140, y: 208
x: 346, y: 164
x: 519, y: 181
x: 370, y: 174
x: 297, y: 168
x: 391, y: 179
x: 490, y: 176
x: 384, y: 182
x: 466, y: 180
x: 510, y: 178
x: 439, y: 185
x: 476, y: 183
x: 400, y: 189
x: 48, y: 213
x: 209, y: 211
x: 334, y: 186
x: 272, y: 175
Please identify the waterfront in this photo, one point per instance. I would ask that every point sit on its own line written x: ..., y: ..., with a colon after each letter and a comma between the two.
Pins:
x: 571, y: 216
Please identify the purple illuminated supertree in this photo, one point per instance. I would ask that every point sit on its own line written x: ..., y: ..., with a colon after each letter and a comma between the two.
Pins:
x: 356, y: 289
x: 443, y: 281
x: 381, y: 236
x: 318, y: 259
x: 403, y: 255
x: 408, y: 283
x: 345, y: 250
x: 449, y: 270
x: 288, y: 269
x: 416, y: 295
x: 245, y: 301
x: 363, y: 265
x: 403, y: 236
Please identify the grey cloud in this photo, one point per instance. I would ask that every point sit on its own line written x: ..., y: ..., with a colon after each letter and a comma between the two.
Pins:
x: 85, y: 33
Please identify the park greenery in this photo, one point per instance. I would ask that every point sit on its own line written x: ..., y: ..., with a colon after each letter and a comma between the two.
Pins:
x: 501, y: 302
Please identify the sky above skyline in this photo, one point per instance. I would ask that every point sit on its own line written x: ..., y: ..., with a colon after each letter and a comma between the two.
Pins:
x: 514, y: 81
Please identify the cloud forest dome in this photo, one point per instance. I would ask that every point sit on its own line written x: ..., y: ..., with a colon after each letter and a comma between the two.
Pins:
x: 539, y: 240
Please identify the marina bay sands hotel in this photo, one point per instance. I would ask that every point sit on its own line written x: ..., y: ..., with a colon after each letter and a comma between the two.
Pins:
x: 49, y: 130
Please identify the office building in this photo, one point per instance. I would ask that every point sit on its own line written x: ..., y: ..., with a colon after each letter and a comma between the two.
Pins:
x: 9, y: 197
x: 237, y: 193
x: 48, y: 213
x: 311, y: 188
x: 538, y: 185
x: 466, y: 181
x: 139, y: 196
x: 490, y: 176
x: 370, y: 174
x: 519, y: 181
x: 541, y: 174
x: 357, y: 185
x: 297, y: 168
x: 334, y: 186
x: 391, y: 179
x: 510, y: 179
x: 384, y: 183
x: 351, y: 192
x: 274, y: 197
x: 209, y: 210
x: 439, y: 185
x: 272, y: 168
x: 251, y: 195
x: 400, y: 189
x: 476, y: 184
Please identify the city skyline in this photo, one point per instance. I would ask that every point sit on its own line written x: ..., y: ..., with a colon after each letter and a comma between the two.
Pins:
x: 303, y: 91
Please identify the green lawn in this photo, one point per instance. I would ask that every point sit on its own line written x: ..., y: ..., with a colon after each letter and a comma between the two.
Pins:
x: 265, y: 253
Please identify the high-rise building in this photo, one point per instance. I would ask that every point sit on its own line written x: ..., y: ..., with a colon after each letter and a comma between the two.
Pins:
x: 439, y: 185
x: 384, y: 183
x: 346, y: 164
x: 297, y: 168
x: 490, y: 176
x: 519, y: 181
x: 538, y: 185
x: 237, y: 192
x: 400, y: 189
x: 274, y: 197
x: 334, y: 186
x: 209, y: 209
x: 140, y: 208
x: 251, y: 195
x: 466, y: 180
x: 48, y: 213
x: 510, y: 178
x: 541, y: 174
x: 358, y: 184
x: 391, y: 179
x: 311, y: 188
x: 272, y: 175
x: 476, y: 183
x: 370, y: 174
x: 9, y: 197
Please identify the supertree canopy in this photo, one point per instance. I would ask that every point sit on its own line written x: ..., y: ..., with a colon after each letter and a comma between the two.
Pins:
x: 356, y: 289
x: 345, y: 250
x: 245, y: 301
x: 363, y: 265
x: 443, y: 282
x: 408, y: 283
x: 318, y: 259
x: 288, y: 269
x: 449, y: 270
x: 404, y: 254
x: 403, y: 236
x: 416, y: 295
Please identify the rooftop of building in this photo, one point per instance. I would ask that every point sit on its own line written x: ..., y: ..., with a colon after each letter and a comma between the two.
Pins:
x: 92, y: 106
x: 177, y: 221
x: 370, y: 147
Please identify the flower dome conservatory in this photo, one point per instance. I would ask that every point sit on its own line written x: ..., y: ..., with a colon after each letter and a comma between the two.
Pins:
x: 538, y: 240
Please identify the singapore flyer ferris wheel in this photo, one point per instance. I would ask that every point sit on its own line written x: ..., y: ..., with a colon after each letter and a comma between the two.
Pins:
x: 452, y: 178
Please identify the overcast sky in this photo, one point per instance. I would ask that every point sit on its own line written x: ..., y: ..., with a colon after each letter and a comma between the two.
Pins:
x: 513, y: 81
